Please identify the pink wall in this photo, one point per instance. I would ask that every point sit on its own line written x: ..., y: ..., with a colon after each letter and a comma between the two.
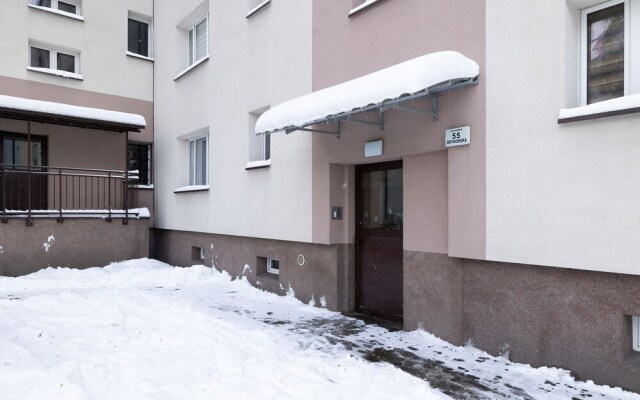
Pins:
x: 383, y: 35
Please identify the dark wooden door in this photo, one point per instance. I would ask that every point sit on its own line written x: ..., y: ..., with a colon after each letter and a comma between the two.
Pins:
x: 14, y: 180
x: 379, y: 213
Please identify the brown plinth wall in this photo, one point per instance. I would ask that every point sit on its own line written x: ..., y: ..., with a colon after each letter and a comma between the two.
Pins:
x: 573, y: 319
x: 78, y: 243
x: 327, y: 270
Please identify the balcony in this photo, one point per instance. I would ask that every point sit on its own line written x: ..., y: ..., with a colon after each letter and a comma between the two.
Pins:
x: 61, y: 192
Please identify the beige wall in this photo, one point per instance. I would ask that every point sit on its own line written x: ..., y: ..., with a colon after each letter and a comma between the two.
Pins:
x: 386, y: 34
x: 101, y: 40
x: 256, y: 62
x: 558, y: 195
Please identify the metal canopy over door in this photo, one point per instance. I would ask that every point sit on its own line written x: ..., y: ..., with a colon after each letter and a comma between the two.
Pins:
x: 379, y: 214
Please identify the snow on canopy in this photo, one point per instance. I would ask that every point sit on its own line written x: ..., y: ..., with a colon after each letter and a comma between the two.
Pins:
x: 66, y: 110
x: 392, y: 83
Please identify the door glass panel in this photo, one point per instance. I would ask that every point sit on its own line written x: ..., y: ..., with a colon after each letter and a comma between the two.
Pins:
x: 382, y: 199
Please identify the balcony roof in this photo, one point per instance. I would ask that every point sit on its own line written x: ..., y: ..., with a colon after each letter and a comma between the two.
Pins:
x: 69, y: 115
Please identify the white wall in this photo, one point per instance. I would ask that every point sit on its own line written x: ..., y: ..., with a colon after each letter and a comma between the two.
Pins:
x: 256, y: 62
x: 101, y: 40
x: 557, y: 195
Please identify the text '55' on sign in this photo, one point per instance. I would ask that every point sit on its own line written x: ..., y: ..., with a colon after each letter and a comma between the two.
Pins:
x: 458, y: 136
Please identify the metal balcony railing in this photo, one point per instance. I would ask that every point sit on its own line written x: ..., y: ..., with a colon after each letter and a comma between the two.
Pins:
x: 60, y: 191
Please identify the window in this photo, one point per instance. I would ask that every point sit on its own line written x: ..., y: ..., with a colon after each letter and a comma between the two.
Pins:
x: 610, y: 45
x: 259, y: 145
x: 198, y: 161
x: 273, y: 266
x: 139, y: 35
x: 636, y: 332
x: 47, y: 58
x: 67, y: 6
x: 198, y: 41
x: 140, y: 160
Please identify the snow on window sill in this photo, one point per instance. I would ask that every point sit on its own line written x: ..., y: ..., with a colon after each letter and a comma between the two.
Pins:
x: 363, y: 6
x: 257, y: 8
x: 130, y: 54
x: 192, y: 188
x: 144, y: 187
x: 62, y: 74
x: 608, y: 108
x: 190, y: 67
x: 57, y: 12
x: 260, y: 164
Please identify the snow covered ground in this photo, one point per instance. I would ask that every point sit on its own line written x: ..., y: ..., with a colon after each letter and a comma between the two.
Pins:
x: 144, y: 330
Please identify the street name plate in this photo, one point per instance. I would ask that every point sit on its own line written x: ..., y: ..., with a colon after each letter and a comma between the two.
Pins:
x: 457, y: 136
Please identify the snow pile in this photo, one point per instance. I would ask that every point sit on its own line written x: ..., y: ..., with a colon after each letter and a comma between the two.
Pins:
x: 66, y: 110
x: 619, y: 104
x: 144, y: 330
x: 407, y: 78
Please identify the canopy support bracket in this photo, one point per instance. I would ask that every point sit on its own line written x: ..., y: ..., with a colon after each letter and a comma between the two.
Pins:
x: 433, y: 113
x: 379, y: 123
x: 304, y: 129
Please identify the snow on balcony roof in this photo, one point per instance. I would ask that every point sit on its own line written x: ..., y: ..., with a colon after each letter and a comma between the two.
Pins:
x: 427, y: 74
x: 65, y: 114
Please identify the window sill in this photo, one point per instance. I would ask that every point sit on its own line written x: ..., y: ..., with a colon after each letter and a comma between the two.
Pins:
x: 608, y: 108
x: 193, y: 188
x: 260, y: 164
x: 62, y: 74
x: 190, y: 67
x: 134, y: 55
x: 57, y: 12
x: 363, y: 6
x: 143, y: 187
x: 257, y: 8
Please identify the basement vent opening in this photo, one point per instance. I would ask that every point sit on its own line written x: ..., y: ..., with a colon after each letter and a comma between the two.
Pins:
x: 197, y: 253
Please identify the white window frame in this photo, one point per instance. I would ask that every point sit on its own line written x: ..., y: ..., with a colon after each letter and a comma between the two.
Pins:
x: 635, y: 322
x: 55, y: 5
x: 270, y: 268
x: 584, y: 46
x: 192, y: 50
x: 145, y: 20
x: 193, y: 162
x: 53, y: 58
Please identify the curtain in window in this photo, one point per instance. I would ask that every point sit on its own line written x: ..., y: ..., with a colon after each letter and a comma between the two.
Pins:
x: 41, y: 3
x: 198, y: 162
x: 605, y: 58
x: 201, y: 40
x: 40, y: 58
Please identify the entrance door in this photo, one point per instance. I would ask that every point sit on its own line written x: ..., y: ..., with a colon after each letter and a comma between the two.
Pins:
x: 379, y: 240
x: 14, y: 156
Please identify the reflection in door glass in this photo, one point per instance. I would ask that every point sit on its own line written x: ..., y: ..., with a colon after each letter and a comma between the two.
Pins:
x: 382, y: 199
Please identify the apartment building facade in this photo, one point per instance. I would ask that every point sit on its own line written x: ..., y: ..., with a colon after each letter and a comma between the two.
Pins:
x: 522, y: 239
x: 76, y: 115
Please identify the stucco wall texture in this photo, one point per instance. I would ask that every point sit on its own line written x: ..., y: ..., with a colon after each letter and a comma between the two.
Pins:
x: 569, y: 318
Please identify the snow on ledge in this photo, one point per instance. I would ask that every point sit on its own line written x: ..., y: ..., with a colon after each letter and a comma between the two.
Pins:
x: 258, y: 164
x: 192, y: 188
x: 57, y: 72
x: 608, y: 108
x: 362, y: 6
x: 257, y: 8
x: 67, y: 110
x: 407, y: 78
